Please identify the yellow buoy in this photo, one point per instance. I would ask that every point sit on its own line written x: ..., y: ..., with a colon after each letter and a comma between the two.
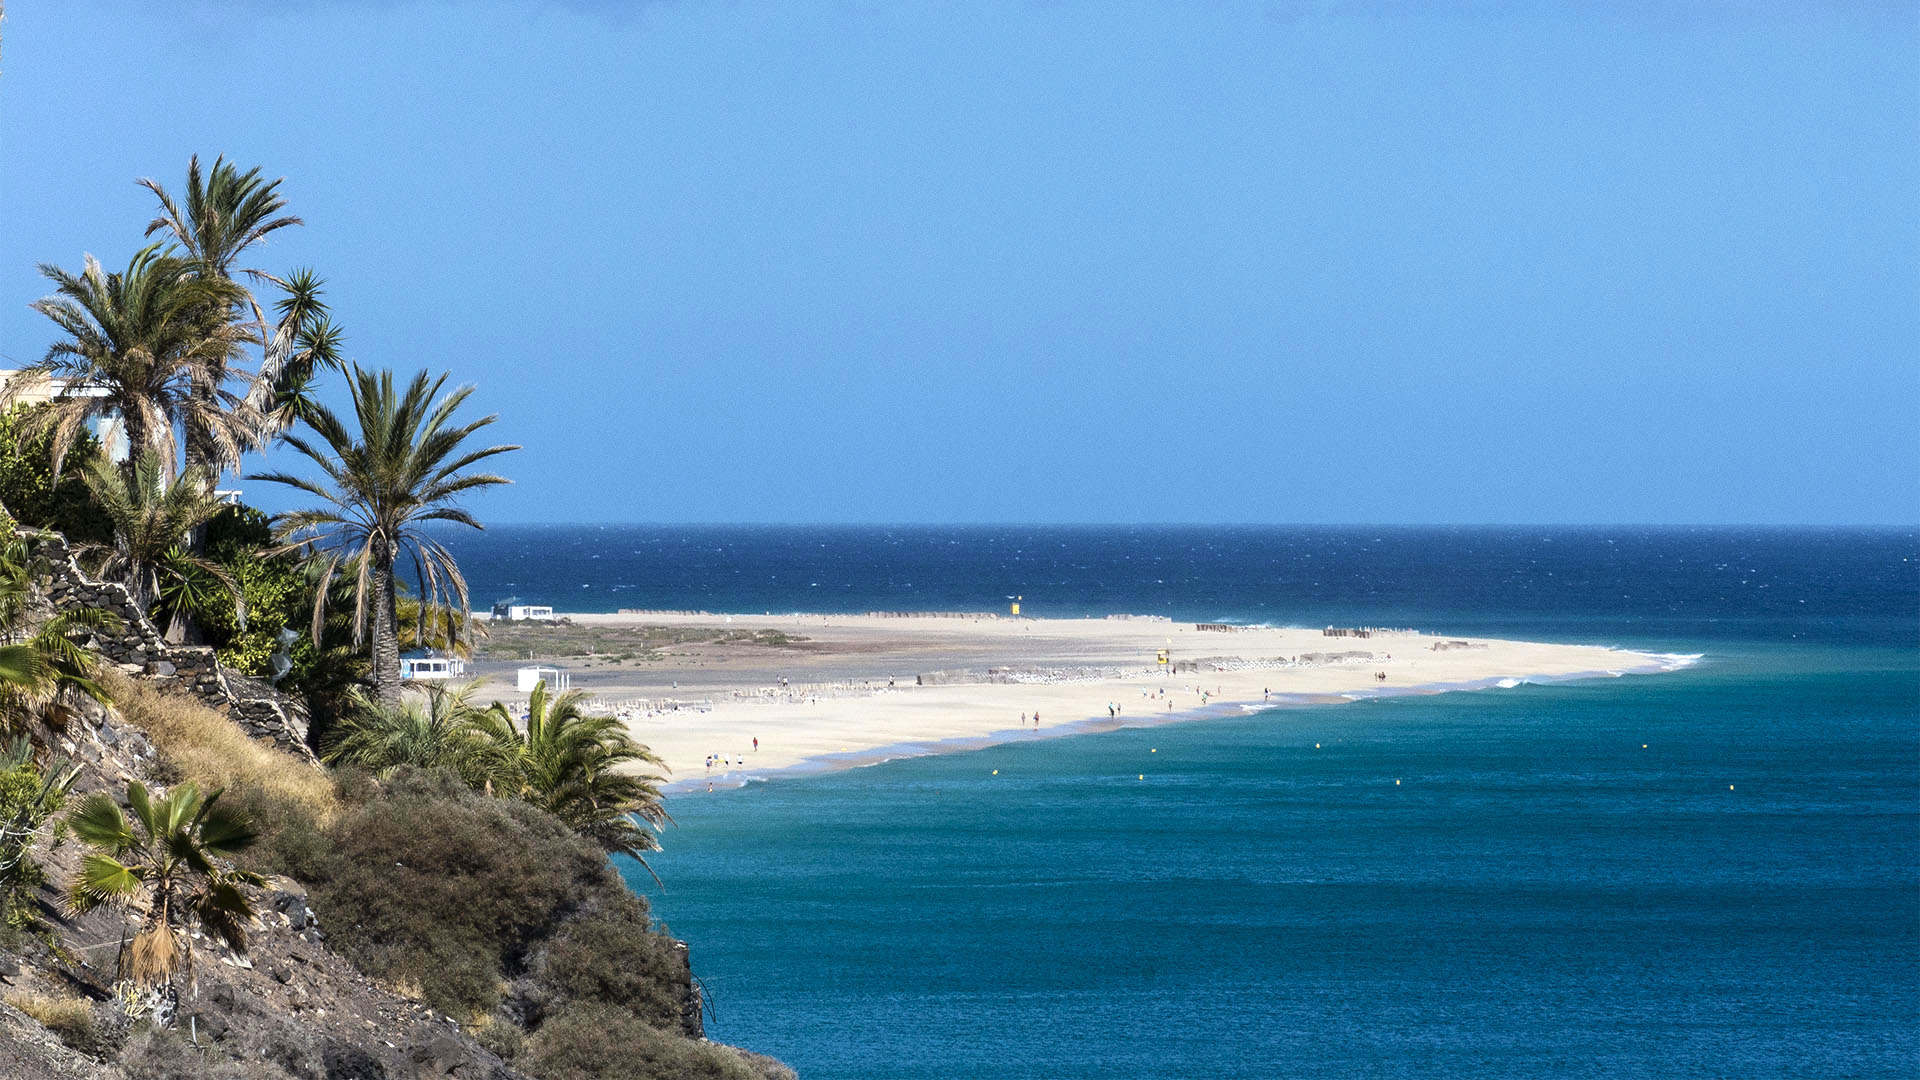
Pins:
x: 996, y: 772
x: 1143, y: 776
x: 1155, y: 750
x: 1729, y: 787
x: 1643, y: 746
x: 1316, y: 746
x: 1396, y: 783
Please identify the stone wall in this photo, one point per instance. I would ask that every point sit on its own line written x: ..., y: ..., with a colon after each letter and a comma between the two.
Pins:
x: 138, y: 648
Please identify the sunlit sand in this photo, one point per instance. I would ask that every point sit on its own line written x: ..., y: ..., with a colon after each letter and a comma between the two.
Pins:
x: 859, y: 688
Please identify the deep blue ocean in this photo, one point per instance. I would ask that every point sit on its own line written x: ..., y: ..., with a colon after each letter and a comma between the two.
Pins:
x: 1709, y: 873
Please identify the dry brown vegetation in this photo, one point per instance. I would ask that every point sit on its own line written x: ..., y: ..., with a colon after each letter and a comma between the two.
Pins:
x: 211, y: 750
x: 70, y: 1018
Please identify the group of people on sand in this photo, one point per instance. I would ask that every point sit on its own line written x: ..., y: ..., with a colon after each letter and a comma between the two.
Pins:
x: 725, y: 761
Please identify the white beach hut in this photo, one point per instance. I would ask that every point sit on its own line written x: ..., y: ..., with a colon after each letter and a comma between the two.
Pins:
x: 558, y: 679
x: 429, y: 666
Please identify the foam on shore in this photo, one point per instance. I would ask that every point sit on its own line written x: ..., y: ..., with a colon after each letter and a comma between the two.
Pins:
x: 738, y: 777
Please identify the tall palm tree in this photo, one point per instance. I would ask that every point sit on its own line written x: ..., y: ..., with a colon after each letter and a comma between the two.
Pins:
x: 580, y: 768
x: 152, y: 517
x: 169, y: 851
x: 137, y: 343
x: 225, y: 212
x: 402, y: 470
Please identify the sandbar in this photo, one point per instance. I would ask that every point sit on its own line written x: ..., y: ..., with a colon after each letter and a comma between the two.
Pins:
x: 830, y: 691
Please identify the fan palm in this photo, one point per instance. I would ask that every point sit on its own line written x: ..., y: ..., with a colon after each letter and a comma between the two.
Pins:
x: 168, y: 851
x: 402, y: 470
x: 137, y: 345
x: 152, y: 517
x: 580, y: 768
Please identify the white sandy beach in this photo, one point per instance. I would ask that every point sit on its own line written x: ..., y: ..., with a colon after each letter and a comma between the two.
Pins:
x: 852, y: 691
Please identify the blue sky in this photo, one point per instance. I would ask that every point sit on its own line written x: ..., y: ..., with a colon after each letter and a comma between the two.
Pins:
x: 1055, y: 261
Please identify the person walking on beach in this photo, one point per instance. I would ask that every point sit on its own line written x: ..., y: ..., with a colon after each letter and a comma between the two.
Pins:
x: 756, y: 744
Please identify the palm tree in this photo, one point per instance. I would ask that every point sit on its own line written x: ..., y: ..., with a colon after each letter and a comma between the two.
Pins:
x: 38, y: 667
x: 226, y: 211
x: 434, y: 733
x: 168, y: 851
x: 28, y: 797
x: 304, y: 340
x: 580, y: 769
x: 400, y: 471
x: 152, y: 518
x: 137, y: 345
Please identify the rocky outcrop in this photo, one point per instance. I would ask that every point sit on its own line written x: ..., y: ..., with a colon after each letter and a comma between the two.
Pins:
x: 140, y: 649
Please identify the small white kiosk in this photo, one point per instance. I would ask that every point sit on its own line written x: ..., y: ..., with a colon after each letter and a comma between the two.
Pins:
x: 558, y: 680
x: 428, y: 666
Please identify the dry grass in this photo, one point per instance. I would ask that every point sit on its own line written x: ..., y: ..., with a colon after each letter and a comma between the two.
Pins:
x: 70, y: 1018
x: 211, y: 750
x: 53, y: 1013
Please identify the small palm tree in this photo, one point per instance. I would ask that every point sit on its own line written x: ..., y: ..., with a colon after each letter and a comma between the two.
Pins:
x: 39, y: 666
x: 582, y: 769
x: 434, y: 732
x: 167, y: 851
x: 28, y: 797
x: 300, y: 344
x: 140, y: 346
x: 152, y: 518
x: 403, y: 469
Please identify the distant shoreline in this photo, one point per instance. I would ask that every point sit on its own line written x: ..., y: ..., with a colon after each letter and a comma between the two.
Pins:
x: 822, y: 692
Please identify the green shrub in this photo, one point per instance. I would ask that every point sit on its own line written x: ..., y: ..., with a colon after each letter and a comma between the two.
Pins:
x: 613, y: 957
x: 601, y: 1042
x: 430, y: 885
x: 27, y: 487
x: 276, y: 590
x: 27, y: 799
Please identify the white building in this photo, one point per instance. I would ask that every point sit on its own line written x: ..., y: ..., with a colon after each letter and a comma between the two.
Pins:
x: 519, y: 612
x: 429, y: 667
x: 38, y: 390
x: 558, y: 680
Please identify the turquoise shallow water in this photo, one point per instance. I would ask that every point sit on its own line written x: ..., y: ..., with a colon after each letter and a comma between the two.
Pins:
x: 1538, y: 895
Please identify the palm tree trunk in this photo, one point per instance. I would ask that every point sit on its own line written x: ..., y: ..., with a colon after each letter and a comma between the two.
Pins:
x: 134, y: 431
x: 386, y: 630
